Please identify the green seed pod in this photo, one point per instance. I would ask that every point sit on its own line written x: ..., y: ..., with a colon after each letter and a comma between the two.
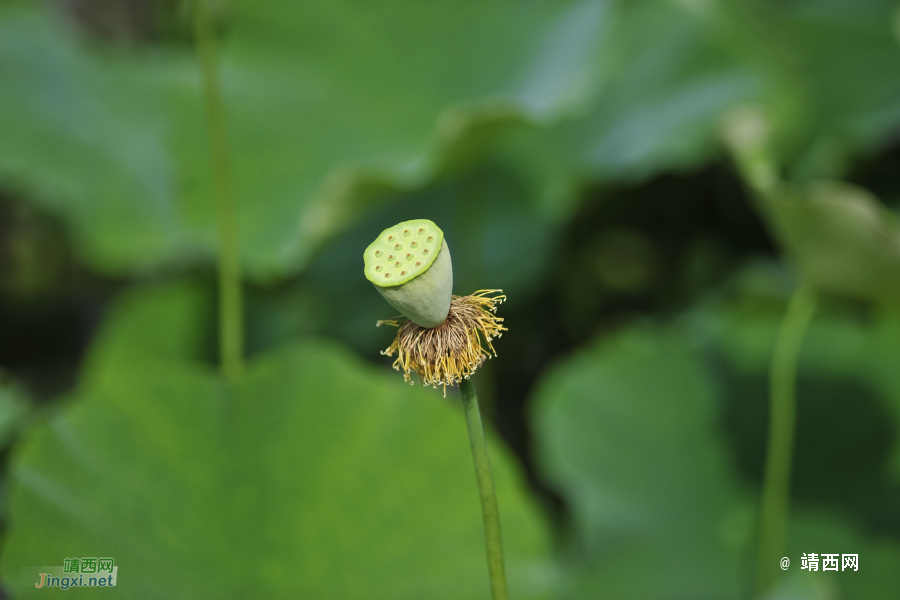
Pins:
x: 410, y: 266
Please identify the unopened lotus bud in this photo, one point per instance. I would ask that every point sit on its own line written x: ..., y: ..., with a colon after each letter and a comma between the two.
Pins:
x: 410, y: 266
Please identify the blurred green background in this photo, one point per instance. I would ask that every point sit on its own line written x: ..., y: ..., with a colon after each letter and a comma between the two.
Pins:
x: 607, y: 163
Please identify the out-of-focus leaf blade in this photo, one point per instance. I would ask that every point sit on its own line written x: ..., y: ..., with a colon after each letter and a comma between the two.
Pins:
x: 825, y: 104
x: 626, y: 430
x: 667, y: 81
x: 322, y: 100
x: 671, y: 81
x: 85, y: 137
x: 150, y: 324
x: 313, y: 477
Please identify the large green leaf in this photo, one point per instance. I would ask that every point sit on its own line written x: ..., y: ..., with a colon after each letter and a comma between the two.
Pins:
x: 667, y: 82
x: 826, y: 106
x: 628, y: 430
x: 670, y: 82
x: 324, y: 102
x: 315, y: 476
x: 673, y: 69
x: 87, y: 140
x: 148, y: 324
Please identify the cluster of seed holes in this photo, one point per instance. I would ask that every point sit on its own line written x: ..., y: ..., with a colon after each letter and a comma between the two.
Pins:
x: 397, y: 247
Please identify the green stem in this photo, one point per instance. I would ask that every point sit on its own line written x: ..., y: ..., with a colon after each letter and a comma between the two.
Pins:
x: 230, y: 312
x: 486, y: 490
x: 783, y: 408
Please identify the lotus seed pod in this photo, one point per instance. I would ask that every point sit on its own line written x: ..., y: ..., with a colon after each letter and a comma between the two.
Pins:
x: 410, y: 266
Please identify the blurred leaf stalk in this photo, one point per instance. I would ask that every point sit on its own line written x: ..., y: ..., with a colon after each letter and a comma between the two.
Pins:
x: 746, y: 133
x: 782, y: 427
x: 229, y: 267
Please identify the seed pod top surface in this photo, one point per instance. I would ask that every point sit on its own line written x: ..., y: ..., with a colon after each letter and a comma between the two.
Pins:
x: 402, y: 252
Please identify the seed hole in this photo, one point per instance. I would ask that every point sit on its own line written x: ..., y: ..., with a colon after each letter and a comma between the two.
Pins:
x: 418, y: 264
x: 430, y: 239
x: 396, y: 264
x: 425, y: 251
x: 421, y: 230
x: 406, y: 233
x: 403, y: 272
x: 398, y: 248
x: 391, y: 257
x: 414, y: 245
x: 387, y: 275
x: 378, y: 268
x: 390, y: 238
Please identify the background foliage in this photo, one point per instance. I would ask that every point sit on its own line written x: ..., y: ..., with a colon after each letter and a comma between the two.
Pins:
x: 647, y: 180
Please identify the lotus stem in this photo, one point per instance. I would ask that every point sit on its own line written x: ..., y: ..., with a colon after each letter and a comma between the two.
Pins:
x: 231, y: 343
x: 490, y: 512
x: 782, y: 420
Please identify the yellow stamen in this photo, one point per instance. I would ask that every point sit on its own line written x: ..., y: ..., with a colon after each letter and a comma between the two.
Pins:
x: 452, y: 351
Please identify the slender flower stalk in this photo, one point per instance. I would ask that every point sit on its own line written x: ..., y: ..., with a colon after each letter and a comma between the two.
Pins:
x: 489, y: 510
x: 231, y: 344
x: 782, y: 419
x: 445, y: 339
x: 746, y: 132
